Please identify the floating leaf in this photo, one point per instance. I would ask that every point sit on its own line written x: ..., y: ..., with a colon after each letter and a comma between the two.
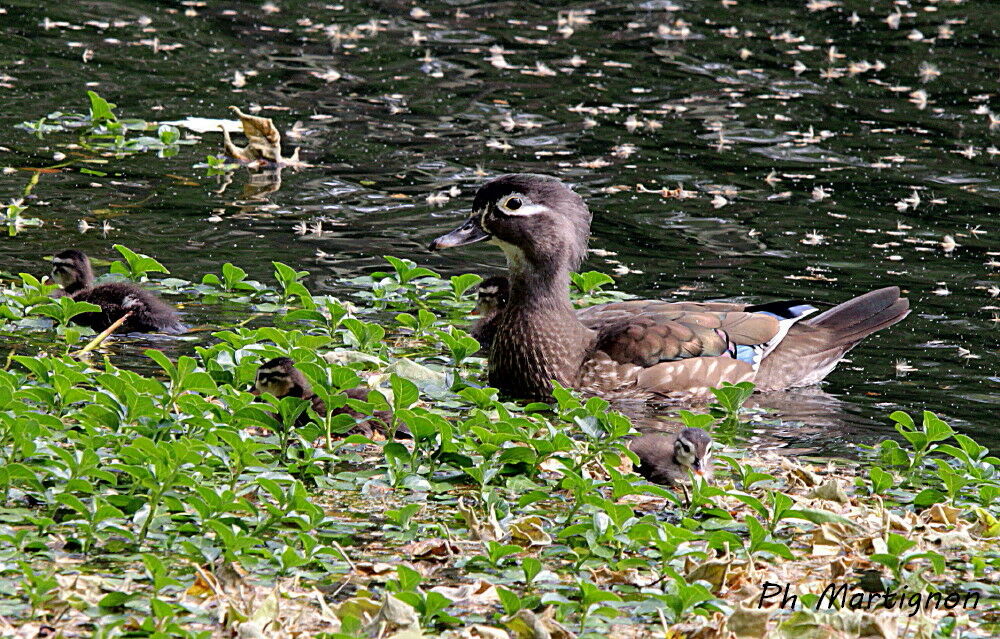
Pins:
x: 264, y: 143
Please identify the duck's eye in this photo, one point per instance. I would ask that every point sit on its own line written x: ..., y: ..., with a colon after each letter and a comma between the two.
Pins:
x: 512, y: 203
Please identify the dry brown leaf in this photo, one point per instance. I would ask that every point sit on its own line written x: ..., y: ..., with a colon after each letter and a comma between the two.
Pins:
x: 479, y: 592
x: 430, y: 549
x: 394, y: 616
x: 203, y: 587
x: 373, y: 569
x: 842, y: 624
x: 838, y: 568
x: 476, y: 631
x: 530, y: 531
x: 800, y: 473
x: 942, y: 514
x: 630, y: 576
x: 265, y: 615
x: 527, y: 625
x: 490, y: 531
x: 749, y: 622
x: 360, y: 607
x: 264, y: 143
x: 830, y: 490
x: 715, y: 572
x: 702, y: 628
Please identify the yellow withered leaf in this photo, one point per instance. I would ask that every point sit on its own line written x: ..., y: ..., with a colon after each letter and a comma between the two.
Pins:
x: 264, y: 142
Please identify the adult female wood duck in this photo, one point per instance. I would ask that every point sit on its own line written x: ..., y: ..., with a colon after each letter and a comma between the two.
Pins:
x: 148, y: 313
x: 669, y: 458
x: 640, y: 348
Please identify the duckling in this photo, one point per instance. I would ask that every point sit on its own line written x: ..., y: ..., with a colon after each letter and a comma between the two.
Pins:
x: 280, y: 378
x: 491, y: 298
x: 670, y: 458
x: 148, y: 313
x: 643, y: 349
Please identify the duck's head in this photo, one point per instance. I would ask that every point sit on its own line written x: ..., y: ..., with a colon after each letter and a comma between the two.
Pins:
x: 71, y: 270
x: 491, y: 295
x: 693, y: 451
x: 538, y: 221
x: 280, y: 378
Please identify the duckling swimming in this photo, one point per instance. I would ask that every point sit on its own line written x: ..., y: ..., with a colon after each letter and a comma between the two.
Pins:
x: 148, y: 313
x: 280, y: 378
x: 668, y: 458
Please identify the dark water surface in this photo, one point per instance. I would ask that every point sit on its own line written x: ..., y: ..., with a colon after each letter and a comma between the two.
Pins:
x: 876, y: 129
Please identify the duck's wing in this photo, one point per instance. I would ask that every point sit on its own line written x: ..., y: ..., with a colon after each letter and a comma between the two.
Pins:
x: 594, y: 317
x: 647, y: 340
x: 678, y: 352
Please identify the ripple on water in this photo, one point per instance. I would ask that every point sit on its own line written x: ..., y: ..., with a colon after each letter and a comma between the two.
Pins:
x: 808, y: 154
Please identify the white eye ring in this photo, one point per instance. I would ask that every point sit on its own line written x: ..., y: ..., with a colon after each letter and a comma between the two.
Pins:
x: 524, y: 209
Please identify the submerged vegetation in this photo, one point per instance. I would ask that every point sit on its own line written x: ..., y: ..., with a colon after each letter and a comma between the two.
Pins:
x: 175, y: 504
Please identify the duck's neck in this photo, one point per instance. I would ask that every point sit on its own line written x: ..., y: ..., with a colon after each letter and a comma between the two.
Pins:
x: 546, y: 290
x: 82, y: 281
x: 538, y: 336
x: 75, y: 287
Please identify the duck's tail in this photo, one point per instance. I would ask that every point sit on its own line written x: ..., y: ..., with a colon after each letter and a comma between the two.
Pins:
x: 813, y: 347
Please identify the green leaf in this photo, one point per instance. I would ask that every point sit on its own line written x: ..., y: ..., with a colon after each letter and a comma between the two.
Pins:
x: 116, y: 599
x: 404, y: 392
x: 510, y: 601
x: 136, y: 265
x: 100, y: 109
x: 902, y: 419
x: 929, y: 497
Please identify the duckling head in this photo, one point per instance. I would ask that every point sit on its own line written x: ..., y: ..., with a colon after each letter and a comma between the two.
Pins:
x: 280, y: 378
x: 71, y: 270
x: 538, y: 221
x: 491, y: 296
x: 693, y: 452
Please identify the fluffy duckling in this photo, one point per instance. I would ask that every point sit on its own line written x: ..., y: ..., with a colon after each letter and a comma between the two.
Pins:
x: 491, y: 297
x: 148, y: 313
x: 280, y: 378
x: 667, y: 458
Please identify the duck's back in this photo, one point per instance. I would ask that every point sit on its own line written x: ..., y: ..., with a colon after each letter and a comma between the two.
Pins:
x: 682, y: 350
x: 150, y: 314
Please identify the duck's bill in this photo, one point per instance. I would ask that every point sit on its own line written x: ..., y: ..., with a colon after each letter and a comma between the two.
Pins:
x: 468, y: 233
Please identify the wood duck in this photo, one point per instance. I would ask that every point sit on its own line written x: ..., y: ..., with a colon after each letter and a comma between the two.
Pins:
x: 491, y: 297
x: 149, y: 314
x: 670, y: 458
x: 280, y: 378
x: 641, y: 348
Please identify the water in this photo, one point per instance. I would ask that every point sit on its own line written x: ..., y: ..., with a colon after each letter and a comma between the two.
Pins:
x: 867, y: 174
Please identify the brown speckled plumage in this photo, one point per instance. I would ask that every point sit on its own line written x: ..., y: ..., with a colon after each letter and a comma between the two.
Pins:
x: 641, y: 348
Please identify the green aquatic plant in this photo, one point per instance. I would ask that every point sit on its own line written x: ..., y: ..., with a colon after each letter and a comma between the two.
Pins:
x: 100, y: 129
x: 180, y: 460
